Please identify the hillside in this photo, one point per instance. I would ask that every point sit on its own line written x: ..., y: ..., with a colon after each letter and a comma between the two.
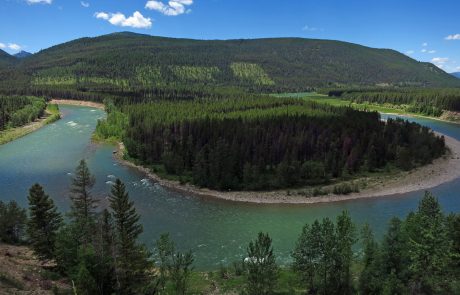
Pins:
x: 456, y: 74
x: 22, y: 273
x: 128, y: 61
x: 6, y: 59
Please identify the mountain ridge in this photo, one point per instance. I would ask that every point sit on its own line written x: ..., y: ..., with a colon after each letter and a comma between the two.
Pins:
x: 269, y: 64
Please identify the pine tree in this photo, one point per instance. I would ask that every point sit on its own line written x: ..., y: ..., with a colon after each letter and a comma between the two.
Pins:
x: 131, y: 260
x: 83, y: 204
x: 429, y: 246
x: 261, y: 265
x: 43, y: 224
x: 104, y: 251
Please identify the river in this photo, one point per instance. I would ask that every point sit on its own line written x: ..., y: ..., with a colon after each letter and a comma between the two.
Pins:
x: 217, y: 231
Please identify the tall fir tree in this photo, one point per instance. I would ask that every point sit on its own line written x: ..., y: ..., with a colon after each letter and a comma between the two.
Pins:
x: 131, y: 258
x: 429, y: 247
x: 44, y: 222
x: 83, y: 203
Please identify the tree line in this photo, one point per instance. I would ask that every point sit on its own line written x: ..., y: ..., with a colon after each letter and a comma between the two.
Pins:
x: 428, y: 101
x: 100, y: 254
x: 98, y: 250
x: 16, y: 110
x: 265, y: 143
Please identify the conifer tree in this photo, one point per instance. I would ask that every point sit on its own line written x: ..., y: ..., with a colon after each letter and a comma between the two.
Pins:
x: 429, y: 246
x: 83, y: 203
x: 43, y: 224
x: 131, y: 259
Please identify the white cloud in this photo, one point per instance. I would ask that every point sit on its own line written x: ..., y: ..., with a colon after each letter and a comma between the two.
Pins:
x: 11, y: 46
x: 431, y: 51
x: 14, y: 46
x: 457, y: 69
x: 410, y: 52
x: 84, y: 4
x: 440, y: 61
x: 424, y: 44
x: 39, y: 1
x: 453, y: 37
x: 137, y: 20
x: 173, y: 8
x: 423, y: 50
x: 102, y: 15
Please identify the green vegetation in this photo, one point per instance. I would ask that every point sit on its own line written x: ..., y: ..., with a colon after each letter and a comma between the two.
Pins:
x: 44, y: 221
x: 19, y: 114
x: 19, y: 110
x: 251, y: 73
x: 131, y: 64
x: 429, y: 102
x: 418, y: 255
x: 12, y: 222
x: 274, y: 143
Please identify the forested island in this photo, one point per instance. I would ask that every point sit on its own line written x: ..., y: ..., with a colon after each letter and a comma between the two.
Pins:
x: 274, y: 143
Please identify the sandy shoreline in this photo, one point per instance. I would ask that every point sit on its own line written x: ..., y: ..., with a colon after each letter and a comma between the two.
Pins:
x: 78, y: 103
x: 442, y: 170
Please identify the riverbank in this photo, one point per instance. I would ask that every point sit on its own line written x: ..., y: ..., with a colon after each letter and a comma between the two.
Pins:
x: 81, y: 103
x: 442, y: 170
x: 51, y: 115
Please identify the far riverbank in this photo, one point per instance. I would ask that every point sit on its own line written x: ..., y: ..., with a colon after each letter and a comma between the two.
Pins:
x: 442, y: 170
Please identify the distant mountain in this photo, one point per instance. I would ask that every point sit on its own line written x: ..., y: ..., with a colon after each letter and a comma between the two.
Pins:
x: 456, y: 74
x: 22, y: 54
x: 126, y: 60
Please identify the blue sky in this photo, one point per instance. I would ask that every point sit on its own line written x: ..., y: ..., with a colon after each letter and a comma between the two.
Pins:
x: 427, y: 30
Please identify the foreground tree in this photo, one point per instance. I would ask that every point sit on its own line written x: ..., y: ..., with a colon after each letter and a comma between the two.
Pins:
x: 174, y: 267
x: 83, y: 204
x: 261, y: 266
x: 370, y: 280
x: 43, y: 224
x: 131, y: 258
x: 430, y: 247
x: 12, y: 222
x: 346, y: 238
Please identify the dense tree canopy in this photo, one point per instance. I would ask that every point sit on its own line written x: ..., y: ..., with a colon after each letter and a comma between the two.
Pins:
x: 265, y: 142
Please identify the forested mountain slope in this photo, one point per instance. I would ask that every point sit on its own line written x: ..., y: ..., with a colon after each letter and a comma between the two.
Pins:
x: 129, y: 62
x: 6, y: 59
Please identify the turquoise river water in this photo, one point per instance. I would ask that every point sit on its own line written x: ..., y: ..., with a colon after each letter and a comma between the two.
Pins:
x: 217, y: 231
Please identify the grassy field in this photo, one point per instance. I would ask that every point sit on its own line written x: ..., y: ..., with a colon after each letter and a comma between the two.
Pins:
x: 52, y: 114
x: 320, y: 98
